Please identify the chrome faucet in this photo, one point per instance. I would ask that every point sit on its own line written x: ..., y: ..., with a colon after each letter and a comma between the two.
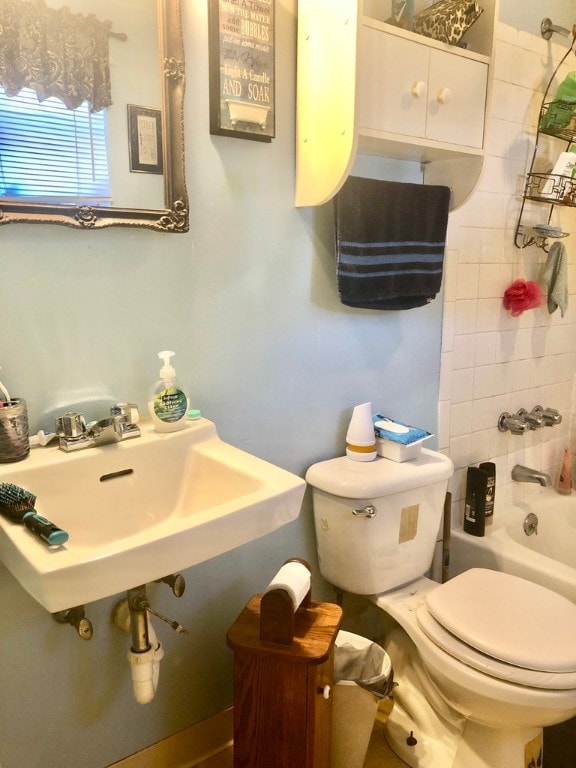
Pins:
x: 550, y: 416
x: 75, y: 434
x: 522, y: 421
x: 534, y: 419
x: 526, y: 475
x: 516, y: 423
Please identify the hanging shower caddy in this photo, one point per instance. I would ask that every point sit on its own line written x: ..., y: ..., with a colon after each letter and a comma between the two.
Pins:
x: 549, y: 188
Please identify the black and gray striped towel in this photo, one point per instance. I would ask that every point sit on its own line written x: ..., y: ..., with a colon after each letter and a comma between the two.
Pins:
x: 390, y: 239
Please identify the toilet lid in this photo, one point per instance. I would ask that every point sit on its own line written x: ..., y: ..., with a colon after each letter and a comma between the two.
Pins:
x: 509, y: 619
x: 564, y: 681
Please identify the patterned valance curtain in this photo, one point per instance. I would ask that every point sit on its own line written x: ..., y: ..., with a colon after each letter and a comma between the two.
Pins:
x: 54, y: 52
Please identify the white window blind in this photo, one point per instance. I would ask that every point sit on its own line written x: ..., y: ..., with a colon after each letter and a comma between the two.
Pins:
x: 49, y: 153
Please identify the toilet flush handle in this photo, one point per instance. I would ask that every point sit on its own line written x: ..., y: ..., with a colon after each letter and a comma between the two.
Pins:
x: 368, y: 511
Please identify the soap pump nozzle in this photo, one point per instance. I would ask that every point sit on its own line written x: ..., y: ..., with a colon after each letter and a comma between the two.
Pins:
x: 167, y: 372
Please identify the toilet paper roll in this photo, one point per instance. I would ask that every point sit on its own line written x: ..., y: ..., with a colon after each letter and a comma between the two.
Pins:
x: 293, y: 578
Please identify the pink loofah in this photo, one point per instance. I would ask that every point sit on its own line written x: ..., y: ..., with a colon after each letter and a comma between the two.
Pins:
x: 522, y: 295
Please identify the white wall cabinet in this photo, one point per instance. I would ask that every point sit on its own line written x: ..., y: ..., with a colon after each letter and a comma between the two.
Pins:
x: 393, y: 86
x: 407, y: 88
x: 367, y: 87
x: 457, y: 100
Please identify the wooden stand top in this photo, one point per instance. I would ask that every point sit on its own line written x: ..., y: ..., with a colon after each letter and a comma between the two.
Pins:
x: 315, y: 630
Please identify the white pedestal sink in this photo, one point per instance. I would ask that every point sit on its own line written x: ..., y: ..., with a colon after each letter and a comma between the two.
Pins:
x: 139, y: 510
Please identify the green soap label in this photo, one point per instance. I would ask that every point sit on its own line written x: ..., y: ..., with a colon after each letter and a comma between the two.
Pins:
x: 170, y: 404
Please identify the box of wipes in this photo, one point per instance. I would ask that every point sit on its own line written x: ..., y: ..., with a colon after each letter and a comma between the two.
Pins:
x: 397, y: 441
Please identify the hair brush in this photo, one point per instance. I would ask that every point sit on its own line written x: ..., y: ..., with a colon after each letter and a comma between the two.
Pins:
x: 17, y: 505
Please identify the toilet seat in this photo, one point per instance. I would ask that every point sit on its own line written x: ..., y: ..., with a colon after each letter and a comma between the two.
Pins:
x: 504, y: 626
x: 489, y: 666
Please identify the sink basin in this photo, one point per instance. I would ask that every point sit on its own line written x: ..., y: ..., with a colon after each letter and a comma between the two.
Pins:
x: 139, y: 510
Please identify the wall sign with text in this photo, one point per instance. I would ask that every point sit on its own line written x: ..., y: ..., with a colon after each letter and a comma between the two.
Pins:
x: 242, y: 68
x: 145, y: 132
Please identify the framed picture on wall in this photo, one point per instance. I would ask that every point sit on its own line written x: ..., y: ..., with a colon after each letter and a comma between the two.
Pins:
x: 145, y: 139
x: 241, y: 40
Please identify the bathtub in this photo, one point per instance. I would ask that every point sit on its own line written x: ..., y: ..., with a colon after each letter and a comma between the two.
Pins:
x: 548, y: 557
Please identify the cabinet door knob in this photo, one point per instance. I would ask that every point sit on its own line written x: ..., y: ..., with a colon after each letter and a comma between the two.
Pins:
x: 444, y: 96
x: 325, y: 691
x: 419, y: 89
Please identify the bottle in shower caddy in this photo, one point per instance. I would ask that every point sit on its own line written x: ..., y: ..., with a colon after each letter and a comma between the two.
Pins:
x: 565, y: 165
x: 167, y: 403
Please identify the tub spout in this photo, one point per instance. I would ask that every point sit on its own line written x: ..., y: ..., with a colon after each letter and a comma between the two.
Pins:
x: 526, y: 475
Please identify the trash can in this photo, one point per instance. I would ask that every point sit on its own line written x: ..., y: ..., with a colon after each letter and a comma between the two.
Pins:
x: 363, y: 676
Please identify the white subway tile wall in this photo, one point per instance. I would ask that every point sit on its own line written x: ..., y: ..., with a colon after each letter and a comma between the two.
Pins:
x: 493, y: 362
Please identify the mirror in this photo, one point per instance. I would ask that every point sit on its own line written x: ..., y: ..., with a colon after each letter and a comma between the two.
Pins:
x: 168, y: 210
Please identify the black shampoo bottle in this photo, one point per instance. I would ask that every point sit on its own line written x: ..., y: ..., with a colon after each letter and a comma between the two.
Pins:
x: 475, y: 505
x: 490, y: 468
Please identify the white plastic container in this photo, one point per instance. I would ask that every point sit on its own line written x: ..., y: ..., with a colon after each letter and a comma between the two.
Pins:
x: 353, y: 712
x: 397, y: 451
x: 167, y: 403
x: 565, y: 165
x: 360, y: 438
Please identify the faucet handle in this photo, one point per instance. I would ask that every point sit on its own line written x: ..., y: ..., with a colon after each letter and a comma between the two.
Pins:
x: 516, y: 424
x: 71, y: 425
x: 550, y: 416
x: 125, y: 417
x: 534, y: 419
x: 128, y: 410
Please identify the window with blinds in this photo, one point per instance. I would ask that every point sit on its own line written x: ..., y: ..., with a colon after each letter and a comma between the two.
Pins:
x: 51, y: 154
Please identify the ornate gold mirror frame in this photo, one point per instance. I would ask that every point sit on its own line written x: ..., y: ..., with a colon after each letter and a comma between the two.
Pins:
x: 174, y: 218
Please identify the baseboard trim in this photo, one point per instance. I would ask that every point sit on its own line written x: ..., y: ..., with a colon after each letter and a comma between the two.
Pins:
x: 186, y: 748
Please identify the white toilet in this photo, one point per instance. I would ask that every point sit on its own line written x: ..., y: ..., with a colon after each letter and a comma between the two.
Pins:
x: 483, y: 661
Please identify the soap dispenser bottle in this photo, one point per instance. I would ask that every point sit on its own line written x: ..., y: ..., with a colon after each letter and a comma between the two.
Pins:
x: 167, y: 403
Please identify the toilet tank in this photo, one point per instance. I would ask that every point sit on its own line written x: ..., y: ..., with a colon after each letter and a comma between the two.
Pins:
x: 367, y: 554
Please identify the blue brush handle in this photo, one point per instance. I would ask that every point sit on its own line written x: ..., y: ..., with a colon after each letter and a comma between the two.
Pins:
x: 45, y: 529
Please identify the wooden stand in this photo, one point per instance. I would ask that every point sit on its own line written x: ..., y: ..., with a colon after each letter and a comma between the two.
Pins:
x: 282, y: 701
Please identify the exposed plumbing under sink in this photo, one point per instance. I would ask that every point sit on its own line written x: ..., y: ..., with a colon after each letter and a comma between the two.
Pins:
x: 146, y: 651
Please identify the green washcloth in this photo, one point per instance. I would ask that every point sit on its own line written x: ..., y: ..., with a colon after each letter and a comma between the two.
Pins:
x: 554, y: 278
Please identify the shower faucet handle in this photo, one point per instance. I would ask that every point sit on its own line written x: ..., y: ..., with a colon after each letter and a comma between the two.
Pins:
x: 550, y: 416
x: 516, y: 424
x: 534, y: 419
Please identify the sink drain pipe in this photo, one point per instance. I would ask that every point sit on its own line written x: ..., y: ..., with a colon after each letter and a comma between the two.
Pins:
x: 146, y: 651
x: 145, y: 668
